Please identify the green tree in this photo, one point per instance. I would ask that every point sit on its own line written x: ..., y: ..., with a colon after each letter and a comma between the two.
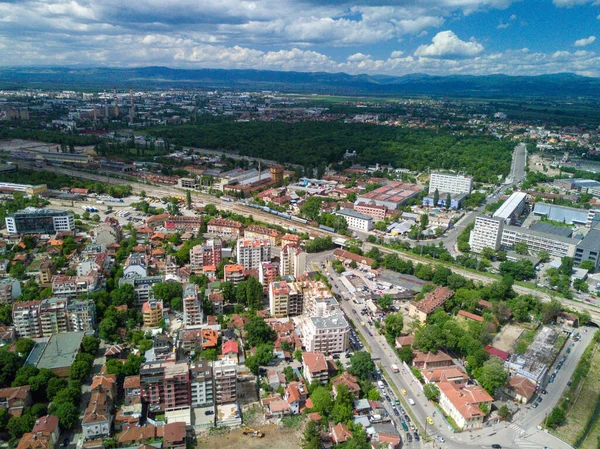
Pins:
x: 361, y: 364
x: 310, y: 437
x: 67, y: 414
x: 24, y: 346
x: 55, y: 385
x: 374, y: 395
x: 79, y: 371
x: 424, y: 221
x: 188, y: 198
x: 123, y: 295
x: 90, y: 345
x: 289, y: 374
x: 566, y: 266
x: 298, y: 355
x: 580, y: 285
x: 311, y: 208
x: 544, y: 256
x: 491, y: 375
x: 167, y: 291
x: 258, y: 331
x: 436, y: 198
x: 431, y: 392
x: 556, y: 418
x: 9, y: 365
x: 394, y: 323
x: 322, y: 402
x: 504, y: 412
x: 521, y: 248
x: 385, y: 302
x: 448, y: 201
x: 406, y: 354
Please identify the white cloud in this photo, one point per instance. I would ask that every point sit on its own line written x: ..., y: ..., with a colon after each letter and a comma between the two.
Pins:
x: 585, y: 42
x: 447, y: 45
x: 358, y: 57
x: 513, y: 17
x: 502, y: 26
x: 570, y: 3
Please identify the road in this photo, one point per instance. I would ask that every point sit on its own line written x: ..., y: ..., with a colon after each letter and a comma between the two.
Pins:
x: 517, y: 167
x: 521, y: 433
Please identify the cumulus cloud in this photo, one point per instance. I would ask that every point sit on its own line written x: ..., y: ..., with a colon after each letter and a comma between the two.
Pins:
x: 570, y: 3
x: 447, y: 45
x: 585, y: 42
x: 502, y: 26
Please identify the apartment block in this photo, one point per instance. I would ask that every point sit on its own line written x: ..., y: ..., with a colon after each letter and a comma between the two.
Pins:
x: 376, y: 211
x: 318, y: 299
x: 225, y: 375
x: 251, y: 253
x: 285, y: 299
x: 356, y: 220
x: 233, y: 273
x: 293, y: 261
x: 193, y: 315
x: 257, y: 232
x: 26, y: 319
x: 142, y: 286
x: 267, y: 273
x: 53, y: 316
x: 165, y: 385
x: 449, y: 183
x: 207, y: 254
x: 10, y: 289
x: 328, y: 335
x: 73, y: 286
x: 202, y: 384
x: 555, y: 245
x: 487, y: 233
x: 152, y: 313
x: 225, y: 228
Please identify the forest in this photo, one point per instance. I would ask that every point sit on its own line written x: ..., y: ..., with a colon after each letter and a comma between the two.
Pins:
x: 320, y: 143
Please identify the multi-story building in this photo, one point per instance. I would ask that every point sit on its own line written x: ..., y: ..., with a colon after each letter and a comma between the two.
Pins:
x: 376, y: 211
x: 267, y: 273
x: 73, y: 286
x: 206, y: 254
x: 26, y: 319
x: 81, y: 315
x: 589, y: 248
x: 233, y: 273
x: 226, y: 228
x: 256, y: 232
x: 202, y: 384
x: 251, y: 253
x: 10, y: 289
x: 315, y: 367
x: 448, y: 183
x: 511, y: 209
x: 97, y: 419
x: 225, y: 375
x: 464, y: 405
x: 318, y: 299
x: 328, y: 334
x: 152, y: 313
x: 47, y: 270
x: 426, y: 306
x: 183, y: 223
x: 136, y: 263
x: 487, y: 233
x: 39, y: 221
x: 356, y: 220
x: 53, y: 316
x: 555, y: 244
x: 142, y: 286
x: 165, y: 385
x: 292, y: 261
x: 285, y: 299
x: 193, y: 315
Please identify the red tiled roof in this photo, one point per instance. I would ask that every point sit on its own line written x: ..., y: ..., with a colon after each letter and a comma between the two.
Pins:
x: 230, y: 346
x: 314, y: 361
x: 521, y: 386
x: 470, y: 316
x: 497, y: 352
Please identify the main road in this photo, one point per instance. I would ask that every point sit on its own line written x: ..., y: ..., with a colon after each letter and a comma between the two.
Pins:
x: 517, y: 167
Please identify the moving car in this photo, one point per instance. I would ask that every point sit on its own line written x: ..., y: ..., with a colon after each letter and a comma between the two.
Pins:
x: 496, y: 446
x: 403, y: 391
x: 430, y: 421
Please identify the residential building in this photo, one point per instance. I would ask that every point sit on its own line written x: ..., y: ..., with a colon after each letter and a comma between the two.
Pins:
x: 251, y: 253
x: 142, y: 286
x: 373, y: 210
x: 47, y: 270
x: 47, y: 426
x: 588, y: 248
x: 193, y: 315
x: 165, y: 385
x: 290, y: 238
x: 285, y: 299
x: 292, y: 261
x: 53, y: 316
x: 97, y: 419
x: 430, y: 360
x: 327, y: 334
x: 10, y: 289
x: 432, y: 300
x: 315, y: 367
x: 32, y: 440
x: 73, y: 286
x: 349, y: 381
x: 136, y: 263
x: 267, y: 273
x: 256, y: 232
x: 183, y: 223
x: 449, y: 183
x: 152, y: 313
x: 451, y: 373
x: 318, y: 301
x: 487, y: 233
x: 520, y: 389
x: 15, y: 399
x: 225, y: 228
x: 512, y: 208
x: 26, y: 319
x: 39, y: 221
x: 356, y: 220
x: 233, y: 273
x: 207, y: 254
x: 463, y: 405
x: 174, y: 435
x: 225, y: 375
x: 202, y: 384
x: 217, y: 301
x: 296, y: 395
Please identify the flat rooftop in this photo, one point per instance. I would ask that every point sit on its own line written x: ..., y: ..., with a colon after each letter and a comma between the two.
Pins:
x: 547, y: 228
x: 61, y: 350
x: 510, y: 205
x: 563, y: 214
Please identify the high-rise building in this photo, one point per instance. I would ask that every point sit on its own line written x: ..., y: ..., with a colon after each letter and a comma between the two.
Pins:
x: 251, y: 253
x: 487, y: 233
x: 267, y: 273
x: 193, y: 315
x: 293, y: 261
x: 328, y: 335
x: 52, y: 316
x: 446, y: 183
x: 26, y: 319
x: 39, y: 221
x: 202, y: 384
x: 206, y: 254
x: 165, y: 385
x: 225, y: 375
x: 285, y: 299
x: 152, y: 313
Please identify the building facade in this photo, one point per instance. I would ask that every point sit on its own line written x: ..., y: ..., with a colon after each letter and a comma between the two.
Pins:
x: 39, y: 221
x: 251, y: 253
x: 328, y: 335
x: 449, y: 183
x: 225, y: 375
x: 487, y: 233
x: 292, y: 261
x: 356, y: 220
x: 202, y: 384
x: 193, y: 315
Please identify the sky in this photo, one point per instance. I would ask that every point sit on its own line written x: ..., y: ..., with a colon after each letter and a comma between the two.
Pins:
x: 387, y: 37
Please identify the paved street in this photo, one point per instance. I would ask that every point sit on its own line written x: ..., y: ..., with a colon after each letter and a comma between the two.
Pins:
x: 517, y: 167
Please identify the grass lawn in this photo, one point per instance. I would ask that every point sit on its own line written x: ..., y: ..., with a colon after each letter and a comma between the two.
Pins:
x: 579, y: 414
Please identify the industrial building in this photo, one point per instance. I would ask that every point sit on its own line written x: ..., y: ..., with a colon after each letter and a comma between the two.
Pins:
x: 356, y: 220
x: 391, y: 195
x: 449, y: 183
x: 556, y: 245
x: 58, y: 354
x: 588, y: 248
x: 563, y: 214
x: 39, y: 221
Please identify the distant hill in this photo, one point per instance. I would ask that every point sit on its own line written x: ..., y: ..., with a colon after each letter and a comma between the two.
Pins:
x: 556, y: 85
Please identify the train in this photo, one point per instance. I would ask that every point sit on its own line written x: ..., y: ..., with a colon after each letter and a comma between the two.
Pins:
x: 283, y: 215
x: 327, y: 228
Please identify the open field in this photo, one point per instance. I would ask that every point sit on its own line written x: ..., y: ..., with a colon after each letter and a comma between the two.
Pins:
x: 507, y: 337
x: 579, y: 414
x: 276, y: 437
x: 536, y: 163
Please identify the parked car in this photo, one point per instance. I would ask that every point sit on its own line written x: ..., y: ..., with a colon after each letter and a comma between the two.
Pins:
x: 416, y: 435
x: 496, y: 446
x: 409, y: 437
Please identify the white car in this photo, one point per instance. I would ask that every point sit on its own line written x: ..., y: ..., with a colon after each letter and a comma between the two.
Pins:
x: 440, y: 438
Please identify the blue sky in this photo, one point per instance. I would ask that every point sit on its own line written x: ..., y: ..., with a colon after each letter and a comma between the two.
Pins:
x: 393, y: 37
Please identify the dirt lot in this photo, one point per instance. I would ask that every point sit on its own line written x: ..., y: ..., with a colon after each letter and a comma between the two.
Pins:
x: 536, y: 163
x: 276, y: 437
x: 507, y: 337
x: 580, y: 413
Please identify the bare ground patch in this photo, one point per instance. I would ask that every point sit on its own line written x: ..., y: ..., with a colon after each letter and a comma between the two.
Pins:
x: 507, y: 337
x: 276, y: 437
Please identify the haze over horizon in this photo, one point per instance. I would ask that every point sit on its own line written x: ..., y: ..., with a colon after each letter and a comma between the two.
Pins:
x: 442, y: 37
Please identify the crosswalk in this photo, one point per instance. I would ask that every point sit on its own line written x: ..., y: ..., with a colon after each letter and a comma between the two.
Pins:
x: 524, y: 444
x: 518, y: 429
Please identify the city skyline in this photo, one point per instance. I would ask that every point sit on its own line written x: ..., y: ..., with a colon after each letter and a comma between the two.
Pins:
x: 442, y: 37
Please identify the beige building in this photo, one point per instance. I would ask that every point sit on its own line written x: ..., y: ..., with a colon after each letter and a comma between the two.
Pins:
x: 421, y: 310
x: 327, y: 334
x: 251, y: 253
x: 293, y: 261
x: 152, y: 312
x: 463, y: 405
x: 285, y: 299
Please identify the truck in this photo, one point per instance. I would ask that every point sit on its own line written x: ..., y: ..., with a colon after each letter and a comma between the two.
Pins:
x: 395, y: 368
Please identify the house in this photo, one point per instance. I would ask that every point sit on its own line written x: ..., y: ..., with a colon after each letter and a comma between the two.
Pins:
x: 497, y: 352
x: 346, y: 379
x: 404, y: 340
x: 134, y: 435
x: 131, y: 386
x: 275, y: 379
x: 520, y: 389
x: 470, y: 316
x: 174, y: 435
x: 231, y: 349
x: 97, y: 419
x: 275, y: 406
x: 422, y: 309
x: 14, y: 400
x: 431, y: 360
x: 454, y: 373
x: 48, y: 426
x: 295, y: 395
x: 339, y: 433
x: 464, y: 405
x: 32, y: 440
x: 114, y: 352
x: 316, y: 368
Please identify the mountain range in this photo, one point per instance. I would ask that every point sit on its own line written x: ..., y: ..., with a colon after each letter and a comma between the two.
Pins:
x: 493, y: 86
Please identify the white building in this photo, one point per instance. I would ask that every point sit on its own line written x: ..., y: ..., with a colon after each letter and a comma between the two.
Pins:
x: 555, y: 245
x: 193, y: 315
x: 448, y: 183
x: 250, y: 253
x: 201, y: 384
x: 328, y: 335
x: 463, y: 404
x: 293, y: 261
x: 487, y: 233
x: 356, y: 220
x: 511, y: 208
x: 225, y: 375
